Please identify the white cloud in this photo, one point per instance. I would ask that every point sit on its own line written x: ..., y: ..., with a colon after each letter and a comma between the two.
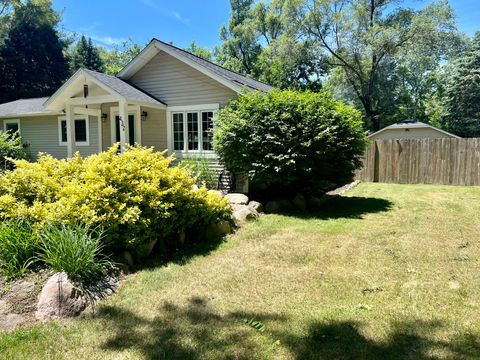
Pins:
x: 108, y: 40
x: 162, y: 10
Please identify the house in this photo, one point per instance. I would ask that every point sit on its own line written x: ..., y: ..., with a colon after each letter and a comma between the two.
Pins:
x: 165, y: 97
x: 411, y: 129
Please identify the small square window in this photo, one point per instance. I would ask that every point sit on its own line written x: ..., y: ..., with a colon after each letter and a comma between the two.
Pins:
x: 12, y: 127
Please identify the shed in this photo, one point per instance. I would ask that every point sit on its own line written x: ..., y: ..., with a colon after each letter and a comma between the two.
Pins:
x: 411, y: 129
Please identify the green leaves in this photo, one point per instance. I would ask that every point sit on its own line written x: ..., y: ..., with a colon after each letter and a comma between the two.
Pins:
x: 18, y: 247
x: 290, y: 141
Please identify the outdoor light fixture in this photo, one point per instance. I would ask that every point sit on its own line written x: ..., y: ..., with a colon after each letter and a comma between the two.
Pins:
x: 85, y: 94
x: 104, y: 117
x: 144, y: 116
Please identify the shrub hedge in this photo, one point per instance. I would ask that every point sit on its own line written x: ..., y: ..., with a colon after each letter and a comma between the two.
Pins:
x: 137, y: 197
x: 11, y: 147
x: 291, y: 141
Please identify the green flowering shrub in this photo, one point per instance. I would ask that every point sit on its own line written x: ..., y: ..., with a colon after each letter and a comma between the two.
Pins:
x: 291, y: 141
x: 137, y: 197
x: 11, y: 147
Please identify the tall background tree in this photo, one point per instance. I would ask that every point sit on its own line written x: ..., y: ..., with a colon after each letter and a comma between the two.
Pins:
x: 116, y: 58
x: 461, y: 97
x: 85, y: 55
x: 381, y: 56
x: 32, y: 60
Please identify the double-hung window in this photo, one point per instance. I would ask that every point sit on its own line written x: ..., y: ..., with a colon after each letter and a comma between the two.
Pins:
x: 12, y: 127
x: 81, y: 131
x: 192, y: 130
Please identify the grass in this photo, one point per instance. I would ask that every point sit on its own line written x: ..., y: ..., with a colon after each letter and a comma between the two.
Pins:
x: 386, y: 272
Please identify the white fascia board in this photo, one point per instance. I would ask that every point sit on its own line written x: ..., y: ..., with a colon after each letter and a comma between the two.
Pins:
x: 138, y: 61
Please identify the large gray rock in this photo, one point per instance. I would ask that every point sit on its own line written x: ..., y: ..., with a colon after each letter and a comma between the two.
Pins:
x: 237, y: 199
x: 11, y: 321
x: 59, y: 299
x: 315, y: 203
x: 272, y: 207
x: 255, y: 205
x: 243, y: 214
x: 219, y: 229
x: 299, y: 202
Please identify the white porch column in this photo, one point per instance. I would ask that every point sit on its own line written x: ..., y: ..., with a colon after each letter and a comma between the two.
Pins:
x: 123, y: 113
x: 70, y: 120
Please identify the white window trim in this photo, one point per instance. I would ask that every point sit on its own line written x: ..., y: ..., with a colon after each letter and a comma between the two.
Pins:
x: 12, y: 121
x: 132, y: 110
x: 77, y: 117
x: 190, y: 109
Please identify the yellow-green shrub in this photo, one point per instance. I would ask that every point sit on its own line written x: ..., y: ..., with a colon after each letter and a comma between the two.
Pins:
x: 135, y: 196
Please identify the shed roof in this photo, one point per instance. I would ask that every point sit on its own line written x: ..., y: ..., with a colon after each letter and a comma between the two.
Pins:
x: 412, y: 124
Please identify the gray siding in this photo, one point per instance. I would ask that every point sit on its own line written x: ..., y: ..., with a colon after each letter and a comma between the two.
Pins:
x: 177, y: 83
x: 41, y: 133
x: 154, y: 130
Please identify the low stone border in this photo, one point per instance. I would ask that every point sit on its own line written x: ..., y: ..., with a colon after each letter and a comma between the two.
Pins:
x: 343, y: 189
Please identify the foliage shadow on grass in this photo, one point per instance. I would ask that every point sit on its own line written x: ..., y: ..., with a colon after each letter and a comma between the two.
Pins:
x: 189, y: 332
x: 335, y: 207
x: 180, y: 255
x: 195, y: 331
x: 411, y: 339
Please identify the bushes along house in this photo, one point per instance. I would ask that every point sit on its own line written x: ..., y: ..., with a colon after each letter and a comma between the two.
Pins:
x: 291, y: 141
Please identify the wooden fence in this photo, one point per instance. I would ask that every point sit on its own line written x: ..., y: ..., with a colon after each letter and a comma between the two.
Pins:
x: 423, y: 161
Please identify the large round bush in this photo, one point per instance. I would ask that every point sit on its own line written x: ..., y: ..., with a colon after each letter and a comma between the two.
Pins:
x: 291, y: 141
x: 136, y: 197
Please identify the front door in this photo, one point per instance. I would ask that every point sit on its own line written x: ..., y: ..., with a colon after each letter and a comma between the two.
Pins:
x: 131, y: 129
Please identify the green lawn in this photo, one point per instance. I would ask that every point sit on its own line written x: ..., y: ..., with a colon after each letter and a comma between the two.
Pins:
x: 385, y: 272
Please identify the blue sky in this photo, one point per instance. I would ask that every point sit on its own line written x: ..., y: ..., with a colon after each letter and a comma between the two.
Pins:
x: 181, y: 21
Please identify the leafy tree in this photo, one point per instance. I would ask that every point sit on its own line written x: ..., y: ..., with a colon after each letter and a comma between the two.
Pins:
x: 204, y: 53
x: 85, y: 55
x: 115, y: 60
x: 6, y: 10
x: 287, y: 63
x: 32, y: 61
x: 240, y: 48
x: 258, y: 43
x: 291, y: 141
x: 366, y: 37
x: 462, y: 93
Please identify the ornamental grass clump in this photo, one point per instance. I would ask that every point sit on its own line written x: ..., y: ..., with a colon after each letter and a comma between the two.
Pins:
x: 74, y: 249
x: 18, y: 247
x: 136, y: 196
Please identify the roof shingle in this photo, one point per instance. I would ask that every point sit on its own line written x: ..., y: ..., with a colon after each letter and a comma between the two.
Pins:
x: 123, y: 88
x: 23, y: 107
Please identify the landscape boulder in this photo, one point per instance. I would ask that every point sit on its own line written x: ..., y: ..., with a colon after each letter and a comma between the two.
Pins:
x: 242, y: 214
x: 314, y: 202
x: 299, y: 202
x: 272, y: 207
x: 60, y: 298
x: 219, y: 229
x: 237, y: 199
x: 255, y: 205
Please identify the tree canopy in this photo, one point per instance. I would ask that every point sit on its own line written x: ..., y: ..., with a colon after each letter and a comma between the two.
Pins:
x: 32, y: 60
x: 462, y: 93
x: 85, y: 55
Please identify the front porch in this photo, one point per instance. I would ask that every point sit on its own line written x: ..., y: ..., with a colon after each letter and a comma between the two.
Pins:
x: 122, y: 114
